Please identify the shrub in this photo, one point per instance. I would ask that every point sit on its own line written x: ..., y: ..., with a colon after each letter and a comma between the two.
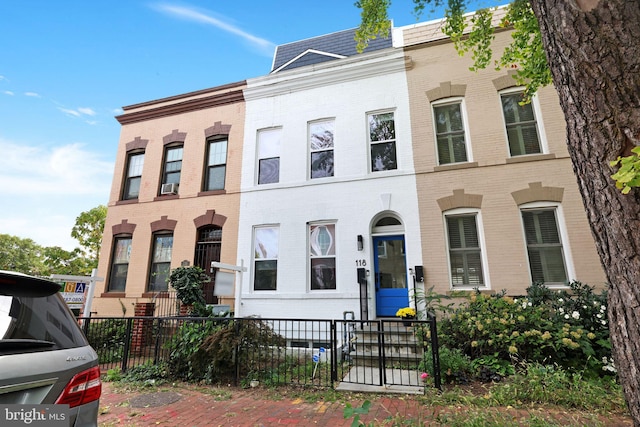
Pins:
x: 184, y: 344
x: 107, y: 337
x: 455, y: 366
x: 567, y: 327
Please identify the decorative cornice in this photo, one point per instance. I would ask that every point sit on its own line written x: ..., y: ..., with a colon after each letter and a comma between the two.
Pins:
x: 357, y: 67
x: 182, y: 107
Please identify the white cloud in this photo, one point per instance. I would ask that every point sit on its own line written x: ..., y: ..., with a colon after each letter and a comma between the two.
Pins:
x: 8, y: 92
x: 86, y: 110
x: 32, y: 94
x: 191, y: 14
x: 44, y: 189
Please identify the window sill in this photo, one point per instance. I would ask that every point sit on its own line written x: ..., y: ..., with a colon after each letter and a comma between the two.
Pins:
x: 211, y: 193
x: 113, y: 295
x: 530, y: 158
x: 157, y: 294
x: 455, y: 166
x: 126, y: 202
x: 166, y: 197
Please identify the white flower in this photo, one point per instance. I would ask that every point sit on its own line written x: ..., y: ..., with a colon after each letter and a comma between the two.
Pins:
x: 524, y: 304
x: 560, y: 300
x: 575, y: 315
x: 529, y: 303
x: 599, y: 316
x: 584, y: 306
x: 561, y: 310
x: 602, y: 309
x: 603, y: 322
x: 566, y: 316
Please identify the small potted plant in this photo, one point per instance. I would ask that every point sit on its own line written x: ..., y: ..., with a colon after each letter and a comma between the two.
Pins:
x: 406, y: 314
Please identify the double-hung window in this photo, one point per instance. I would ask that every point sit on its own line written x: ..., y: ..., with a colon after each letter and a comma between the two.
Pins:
x: 451, y: 139
x: 321, y: 148
x: 265, y: 258
x: 382, y: 138
x: 269, y: 141
x: 135, y: 161
x: 322, y: 256
x: 544, y: 246
x: 465, y: 254
x: 160, y: 262
x: 521, y: 125
x: 172, y: 168
x: 119, y: 264
x: 216, y: 167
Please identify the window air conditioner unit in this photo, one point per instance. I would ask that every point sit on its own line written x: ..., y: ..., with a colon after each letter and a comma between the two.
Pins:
x: 169, y: 188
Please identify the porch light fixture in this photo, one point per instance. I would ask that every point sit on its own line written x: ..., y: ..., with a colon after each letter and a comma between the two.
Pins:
x: 360, y: 242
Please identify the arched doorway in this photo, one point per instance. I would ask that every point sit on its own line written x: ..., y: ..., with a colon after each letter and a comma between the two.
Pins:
x: 390, y: 266
x: 208, y: 248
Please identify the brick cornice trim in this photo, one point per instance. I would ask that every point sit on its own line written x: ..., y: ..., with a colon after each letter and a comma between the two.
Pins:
x: 123, y: 228
x: 163, y: 224
x: 137, y: 144
x: 460, y: 200
x: 174, y: 136
x: 537, y: 193
x: 217, y: 129
x: 210, y: 218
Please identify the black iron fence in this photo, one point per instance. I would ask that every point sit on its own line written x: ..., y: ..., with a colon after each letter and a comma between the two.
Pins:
x: 348, y: 354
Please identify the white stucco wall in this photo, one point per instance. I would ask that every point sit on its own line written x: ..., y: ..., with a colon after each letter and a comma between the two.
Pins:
x: 345, y: 90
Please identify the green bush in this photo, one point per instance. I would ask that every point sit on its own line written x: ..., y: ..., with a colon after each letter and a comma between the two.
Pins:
x: 184, y: 344
x: 107, y: 337
x: 568, y: 328
x: 455, y: 366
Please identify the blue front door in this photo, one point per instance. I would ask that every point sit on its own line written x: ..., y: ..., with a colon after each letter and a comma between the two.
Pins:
x: 392, y: 290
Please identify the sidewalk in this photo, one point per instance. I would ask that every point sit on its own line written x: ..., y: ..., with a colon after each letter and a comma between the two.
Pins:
x: 200, y: 406
x: 192, y: 406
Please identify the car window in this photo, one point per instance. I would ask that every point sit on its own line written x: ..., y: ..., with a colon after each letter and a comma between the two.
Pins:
x: 37, y: 324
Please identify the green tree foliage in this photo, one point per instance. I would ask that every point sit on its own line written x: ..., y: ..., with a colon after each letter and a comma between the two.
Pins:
x: 88, y: 232
x: 21, y: 255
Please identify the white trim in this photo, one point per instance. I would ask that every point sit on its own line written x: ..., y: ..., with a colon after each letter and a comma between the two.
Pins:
x: 319, y: 52
x: 481, y: 239
x: 465, y: 122
x: 392, y: 110
x: 564, y: 237
x: 537, y: 113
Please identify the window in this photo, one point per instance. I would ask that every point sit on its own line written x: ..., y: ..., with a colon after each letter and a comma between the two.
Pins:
x: 216, y: 165
x: 135, y: 161
x: 544, y: 246
x: 465, y: 257
x: 322, y: 255
x: 160, y: 262
x: 265, y: 258
x: 172, y: 165
x: 520, y: 122
x: 382, y: 137
x: 269, y: 156
x: 119, y: 264
x: 321, y: 147
x: 450, y: 133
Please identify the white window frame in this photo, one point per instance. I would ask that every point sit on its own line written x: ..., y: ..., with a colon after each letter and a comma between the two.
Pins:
x: 277, y: 150
x: 481, y: 240
x: 537, y: 112
x: 311, y: 257
x: 465, y: 123
x: 254, y: 259
x: 564, y: 237
x: 370, y: 143
x: 331, y: 120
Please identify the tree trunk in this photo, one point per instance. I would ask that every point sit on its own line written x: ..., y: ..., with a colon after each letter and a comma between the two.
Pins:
x: 593, y: 51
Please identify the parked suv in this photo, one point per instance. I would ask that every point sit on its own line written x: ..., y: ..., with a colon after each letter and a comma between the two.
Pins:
x: 44, y: 356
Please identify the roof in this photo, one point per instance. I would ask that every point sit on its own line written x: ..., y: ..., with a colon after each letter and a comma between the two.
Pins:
x: 319, y: 49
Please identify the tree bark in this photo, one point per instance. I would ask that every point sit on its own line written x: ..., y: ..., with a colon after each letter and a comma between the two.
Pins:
x: 593, y: 51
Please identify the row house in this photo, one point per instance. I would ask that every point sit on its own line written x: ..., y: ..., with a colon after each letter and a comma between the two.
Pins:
x: 343, y: 183
x: 174, y: 199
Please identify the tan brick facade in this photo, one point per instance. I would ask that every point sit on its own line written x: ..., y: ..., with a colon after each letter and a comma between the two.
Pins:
x: 493, y: 183
x: 190, y: 119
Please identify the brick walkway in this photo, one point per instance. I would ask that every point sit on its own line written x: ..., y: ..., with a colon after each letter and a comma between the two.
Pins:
x: 191, y: 406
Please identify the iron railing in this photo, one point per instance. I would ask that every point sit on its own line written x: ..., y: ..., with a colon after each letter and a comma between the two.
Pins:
x: 306, y: 352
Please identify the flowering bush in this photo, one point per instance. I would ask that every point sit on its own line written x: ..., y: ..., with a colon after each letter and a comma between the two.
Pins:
x: 568, y: 327
x: 406, y: 312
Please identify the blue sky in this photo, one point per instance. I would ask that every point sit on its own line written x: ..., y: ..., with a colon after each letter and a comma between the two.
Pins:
x: 68, y: 66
